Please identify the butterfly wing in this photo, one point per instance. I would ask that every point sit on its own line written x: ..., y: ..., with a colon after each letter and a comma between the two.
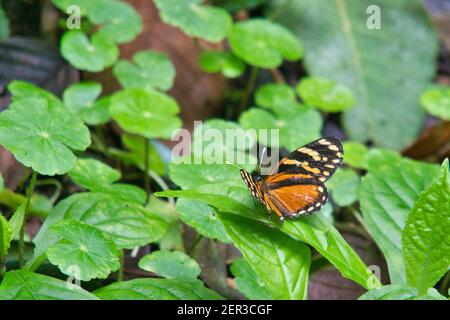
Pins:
x: 293, y: 197
x: 318, y: 159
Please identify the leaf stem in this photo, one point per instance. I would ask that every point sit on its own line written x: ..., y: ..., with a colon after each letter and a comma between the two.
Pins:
x: 122, y: 266
x: 249, y: 89
x: 146, y: 166
x: 29, y: 193
x: 160, y: 181
x: 361, y: 221
x: 54, y: 182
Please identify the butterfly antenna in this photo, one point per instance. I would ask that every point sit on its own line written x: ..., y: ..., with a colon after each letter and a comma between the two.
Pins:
x: 234, y: 165
x: 261, y: 159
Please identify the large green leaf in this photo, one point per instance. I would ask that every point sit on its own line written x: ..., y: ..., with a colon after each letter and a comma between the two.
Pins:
x: 247, y: 281
x: 41, y: 133
x: 149, y: 70
x: 263, y: 43
x: 195, y: 19
x: 281, y: 262
x: 94, y: 55
x: 314, y: 230
x: 82, y: 251
x: 426, y: 237
x: 25, y: 285
x: 21, y: 89
x: 157, y: 289
x: 170, y: 264
x: 221, y: 61
x: 340, y: 45
x: 387, y: 194
x: 149, y: 113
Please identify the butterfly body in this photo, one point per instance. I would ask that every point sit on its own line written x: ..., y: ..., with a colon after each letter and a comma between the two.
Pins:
x: 295, y: 186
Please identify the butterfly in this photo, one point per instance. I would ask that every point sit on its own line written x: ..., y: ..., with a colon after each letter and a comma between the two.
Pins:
x: 295, y: 186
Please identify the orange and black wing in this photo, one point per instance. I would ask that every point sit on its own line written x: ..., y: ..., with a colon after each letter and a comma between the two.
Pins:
x: 318, y: 159
x: 296, y: 196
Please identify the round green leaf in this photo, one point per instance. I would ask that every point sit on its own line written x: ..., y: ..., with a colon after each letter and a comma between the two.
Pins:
x: 170, y: 264
x: 203, y: 219
x: 22, y: 89
x: 148, y: 113
x: 41, y: 134
x: 83, y: 251
x: 120, y: 21
x: 437, y: 102
x: 221, y: 61
x: 92, y: 55
x: 218, y: 141
x: 355, y: 154
x: 275, y: 95
x: 288, y: 124
x: 197, y: 20
x: 325, y: 94
x: 264, y: 44
x: 93, y: 174
x: 343, y: 186
x: 81, y: 98
x: 149, y: 70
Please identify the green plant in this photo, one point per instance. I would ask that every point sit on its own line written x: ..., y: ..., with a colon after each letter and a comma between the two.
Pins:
x: 115, y: 183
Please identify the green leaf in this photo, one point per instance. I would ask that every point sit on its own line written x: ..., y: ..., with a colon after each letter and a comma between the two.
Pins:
x: 436, y: 101
x: 314, y: 230
x: 126, y: 224
x: 390, y: 292
x: 343, y: 186
x: 221, y: 141
x: 341, y: 47
x: 194, y: 19
x: 83, y: 251
x: 97, y: 176
x: 94, y: 55
x: 81, y: 98
x: 93, y: 174
x: 426, y: 237
x: 84, y: 5
x: 275, y: 96
x: 157, y: 289
x: 5, y: 237
x: 40, y: 134
x: 222, y: 61
x: 203, y: 219
x: 398, y: 292
x: 17, y: 220
x: 247, y: 281
x: 170, y: 264
x: 4, y: 25
x: 192, y: 175
x: 355, y: 154
x: 22, y: 89
x: 25, y: 285
x: 120, y: 21
x: 387, y: 194
x: 151, y: 114
x: 287, y: 123
x: 262, y: 43
x: 325, y: 94
x: 149, y: 70
x: 279, y: 261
